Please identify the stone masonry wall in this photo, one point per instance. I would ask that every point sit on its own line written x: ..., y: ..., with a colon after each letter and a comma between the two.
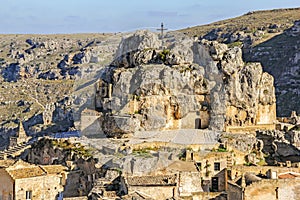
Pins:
x: 287, y: 189
x: 42, y: 187
x: 6, y: 186
x: 162, y: 192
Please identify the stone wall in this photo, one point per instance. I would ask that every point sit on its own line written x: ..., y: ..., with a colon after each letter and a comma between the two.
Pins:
x: 42, y: 187
x: 188, y: 183
x: 158, y: 145
x: 76, y: 198
x: 234, y: 192
x: 207, y: 163
x: 90, y: 124
x: 281, y: 189
x: 249, y: 129
x: 239, y: 170
x: 72, y: 184
x: 6, y: 186
x: 206, y: 196
x: 161, y: 192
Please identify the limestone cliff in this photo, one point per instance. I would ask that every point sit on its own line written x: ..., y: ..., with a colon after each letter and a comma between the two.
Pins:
x: 133, y: 84
x: 270, y: 37
x: 187, y: 84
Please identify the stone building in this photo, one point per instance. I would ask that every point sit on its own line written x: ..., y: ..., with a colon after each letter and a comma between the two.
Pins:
x: 212, y: 167
x: 20, y: 180
x: 178, y: 180
x: 152, y: 187
x: 263, y: 182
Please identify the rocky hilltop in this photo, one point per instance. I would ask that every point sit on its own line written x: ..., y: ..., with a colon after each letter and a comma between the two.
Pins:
x: 162, y: 88
x: 122, y: 83
x: 38, y: 74
x: 185, y: 84
x: 269, y: 37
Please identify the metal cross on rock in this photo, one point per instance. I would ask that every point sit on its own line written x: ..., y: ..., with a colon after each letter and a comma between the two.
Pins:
x: 162, y: 29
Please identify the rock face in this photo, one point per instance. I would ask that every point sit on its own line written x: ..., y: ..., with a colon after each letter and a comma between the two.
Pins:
x: 280, y: 146
x: 38, y: 73
x: 270, y: 37
x: 280, y: 57
x: 133, y: 83
x: 187, y: 85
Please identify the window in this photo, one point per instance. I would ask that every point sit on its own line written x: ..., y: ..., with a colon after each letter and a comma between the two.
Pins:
x: 217, y: 166
x: 198, y: 165
x: 28, y: 195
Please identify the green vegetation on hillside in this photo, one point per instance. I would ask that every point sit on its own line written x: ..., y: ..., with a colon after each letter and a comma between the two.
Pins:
x: 250, y: 23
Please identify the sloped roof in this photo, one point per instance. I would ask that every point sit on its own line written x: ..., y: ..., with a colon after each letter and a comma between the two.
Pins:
x: 20, y: 169
x: 53, y: 169
x: 26, y: 172
x: 289, y: 175
x: 250, y: 178
x: 6, y: 163
x: 20, y: 164
x: 160, y: 180
x: 137, y: 195
x: 182, y: 166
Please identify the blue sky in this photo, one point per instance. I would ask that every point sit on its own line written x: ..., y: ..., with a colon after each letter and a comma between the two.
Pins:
x: 85, y: 16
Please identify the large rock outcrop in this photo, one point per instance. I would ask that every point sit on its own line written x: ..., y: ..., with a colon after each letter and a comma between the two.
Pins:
x: 185, y: 85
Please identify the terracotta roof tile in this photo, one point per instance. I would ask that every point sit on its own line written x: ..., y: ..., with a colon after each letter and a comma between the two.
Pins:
x: 27, y: 172
x: 288, y: 176
x: 21, y: 169
x: 162, y: 180
x: 6, y: 163
x: 53, y: 169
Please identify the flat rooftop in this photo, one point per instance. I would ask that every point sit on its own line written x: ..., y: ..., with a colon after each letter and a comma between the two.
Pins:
x: 183, y: 137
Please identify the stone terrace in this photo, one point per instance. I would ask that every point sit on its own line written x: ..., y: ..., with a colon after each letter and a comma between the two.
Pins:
x: 183, y: 137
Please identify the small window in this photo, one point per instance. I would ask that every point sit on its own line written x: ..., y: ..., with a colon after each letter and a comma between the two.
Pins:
x: 217, y: 166
x: 199, y: 167
x: 28, y: 195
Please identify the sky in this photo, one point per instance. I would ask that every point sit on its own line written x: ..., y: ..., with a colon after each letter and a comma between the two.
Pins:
x: 97, y: 16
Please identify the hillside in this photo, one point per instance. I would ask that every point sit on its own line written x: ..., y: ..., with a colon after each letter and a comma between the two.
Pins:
x: 40, y: 74
x: 47, y: 80
x: 270, y: 21
x: 270, y: 37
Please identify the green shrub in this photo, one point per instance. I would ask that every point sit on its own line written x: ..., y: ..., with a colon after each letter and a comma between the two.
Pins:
x: 235, y: 44
x: 163, y: 54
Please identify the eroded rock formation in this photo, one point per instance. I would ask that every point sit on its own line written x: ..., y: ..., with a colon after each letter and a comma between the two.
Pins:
x: 186, y: 84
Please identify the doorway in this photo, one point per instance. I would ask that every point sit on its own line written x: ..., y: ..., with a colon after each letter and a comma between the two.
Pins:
x: 215, y: 184
x: 198, y: 123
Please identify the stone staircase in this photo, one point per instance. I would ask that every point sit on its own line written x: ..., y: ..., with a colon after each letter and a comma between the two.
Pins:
x: 14, y: 151
x: 229, y: 162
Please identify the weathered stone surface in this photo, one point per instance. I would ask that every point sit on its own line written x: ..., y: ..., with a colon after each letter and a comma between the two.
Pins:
x: 280, y: 146
x: 143, y: 86
x: 160, y: 88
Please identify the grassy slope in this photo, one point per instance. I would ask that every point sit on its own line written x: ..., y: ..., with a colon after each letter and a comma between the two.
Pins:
x: 251, y: 22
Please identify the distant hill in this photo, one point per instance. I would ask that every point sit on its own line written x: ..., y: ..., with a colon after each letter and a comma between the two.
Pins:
x: 271, y: 37
x: 249, y: 23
